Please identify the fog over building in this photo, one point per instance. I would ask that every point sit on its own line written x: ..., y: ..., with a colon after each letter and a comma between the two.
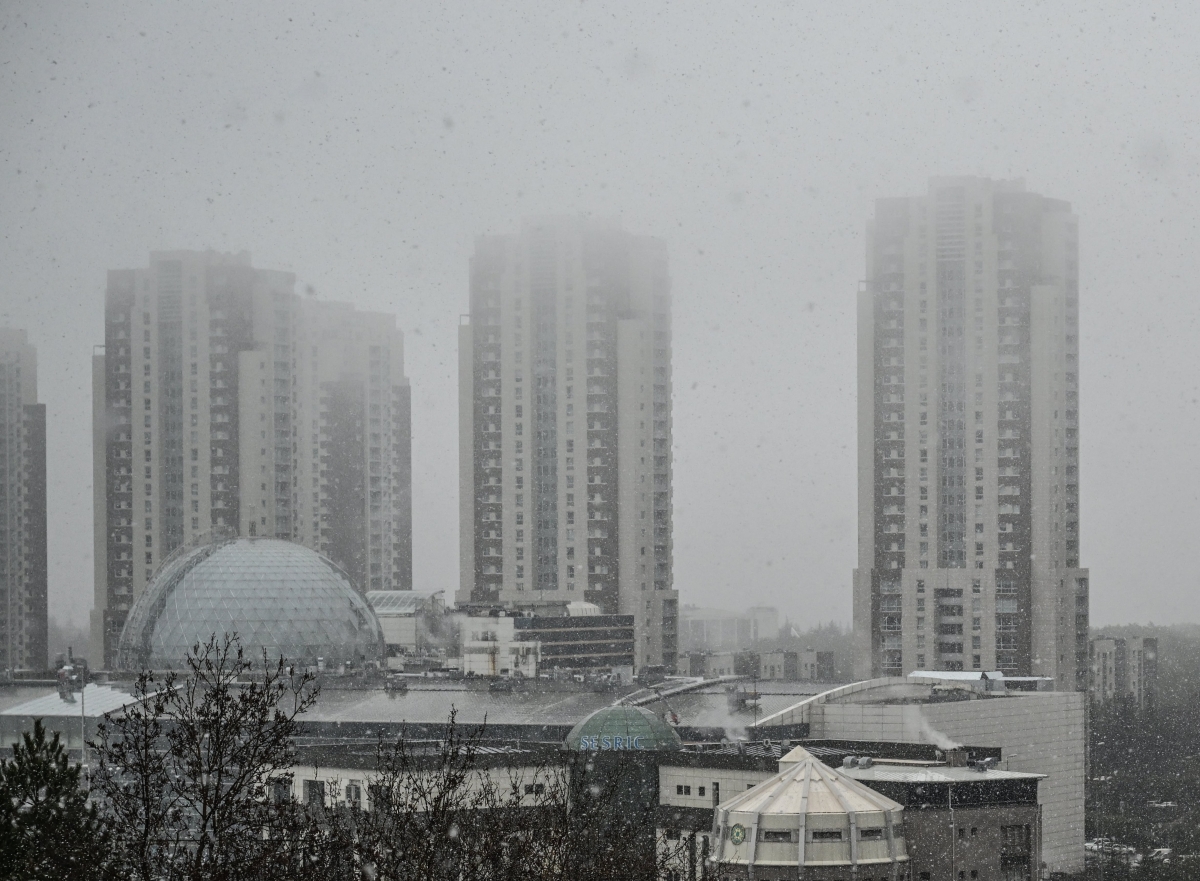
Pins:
x: 565, y: 426
x: 224, y: 402
x: 23, y: 574
x: 968, y: 424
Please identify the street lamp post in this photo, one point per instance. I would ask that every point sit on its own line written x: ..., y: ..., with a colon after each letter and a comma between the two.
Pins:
x: 87, y: 774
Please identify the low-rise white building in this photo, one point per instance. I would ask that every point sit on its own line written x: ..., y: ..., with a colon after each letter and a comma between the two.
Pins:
x: 490, y: 648
x: 411, y: 622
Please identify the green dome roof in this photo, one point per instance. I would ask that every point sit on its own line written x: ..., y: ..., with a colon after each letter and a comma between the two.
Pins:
x: 623, y: 728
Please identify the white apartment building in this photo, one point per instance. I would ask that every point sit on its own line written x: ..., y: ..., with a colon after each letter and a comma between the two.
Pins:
x: 1125, y: 670
x: 565, y: 426
x: 224, y: 401
x: 968, y: 427
x: 23, y: 573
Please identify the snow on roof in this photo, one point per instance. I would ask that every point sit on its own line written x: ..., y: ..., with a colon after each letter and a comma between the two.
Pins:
x: 964, y: 675
x: 806, y: 785
x: 96, y: 701
x: 893, y: 773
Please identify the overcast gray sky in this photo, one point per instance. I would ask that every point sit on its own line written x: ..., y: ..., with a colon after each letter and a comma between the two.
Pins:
x: 364, y: 145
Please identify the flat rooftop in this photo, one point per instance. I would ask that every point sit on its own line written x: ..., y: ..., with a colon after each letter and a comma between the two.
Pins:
x: 430, y: 701
x: 887, y: 772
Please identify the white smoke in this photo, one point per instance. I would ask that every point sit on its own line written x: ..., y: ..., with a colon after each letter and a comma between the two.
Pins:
x: 916, y: 719
x: 735, y: 729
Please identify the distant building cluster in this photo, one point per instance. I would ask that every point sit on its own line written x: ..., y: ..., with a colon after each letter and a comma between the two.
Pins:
x: 1124, y: 671
x: 231, y: 409
x: 808, y: 665
x: 703, y: 629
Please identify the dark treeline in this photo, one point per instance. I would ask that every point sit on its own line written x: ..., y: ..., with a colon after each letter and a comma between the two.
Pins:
x: 194, y: 784
x: 1143, y: 789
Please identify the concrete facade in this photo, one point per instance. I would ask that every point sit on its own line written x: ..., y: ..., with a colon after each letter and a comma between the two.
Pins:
x: 968, y: 426
x: 23, y: 567
x: 224, y: 402
x: 565, y: 427
x: 989, y: 844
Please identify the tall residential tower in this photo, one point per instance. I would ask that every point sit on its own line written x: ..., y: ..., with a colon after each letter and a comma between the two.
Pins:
x: 23, y: 573
x: 225, y: 402
x: 565, y: 427
x: 968, y: 428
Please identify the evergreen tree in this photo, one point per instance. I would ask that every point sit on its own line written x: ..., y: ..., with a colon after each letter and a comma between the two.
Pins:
x: 48, y: 827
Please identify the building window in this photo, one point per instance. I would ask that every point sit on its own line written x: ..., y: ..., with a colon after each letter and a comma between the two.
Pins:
x: 314, y: 793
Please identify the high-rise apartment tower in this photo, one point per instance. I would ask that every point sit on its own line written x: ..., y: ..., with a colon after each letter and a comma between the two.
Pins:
x: 968, y: 437
x: 227, y: 404
x: 565, y: 427
x: 23, y: 572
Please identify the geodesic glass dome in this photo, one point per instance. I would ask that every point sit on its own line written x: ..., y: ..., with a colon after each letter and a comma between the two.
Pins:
x: 274, y: 594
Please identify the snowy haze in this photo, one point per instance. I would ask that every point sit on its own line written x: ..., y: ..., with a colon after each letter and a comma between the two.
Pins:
x: 363, y: 146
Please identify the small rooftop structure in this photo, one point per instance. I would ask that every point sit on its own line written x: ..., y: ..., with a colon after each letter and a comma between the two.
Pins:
x: 809, y: 815
x: 402, y: 603
x: 579, y: 609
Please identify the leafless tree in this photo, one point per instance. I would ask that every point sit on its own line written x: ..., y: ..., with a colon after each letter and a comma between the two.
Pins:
x: 435, y: 813
x: 188, y: 776
x: 184, y: 771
